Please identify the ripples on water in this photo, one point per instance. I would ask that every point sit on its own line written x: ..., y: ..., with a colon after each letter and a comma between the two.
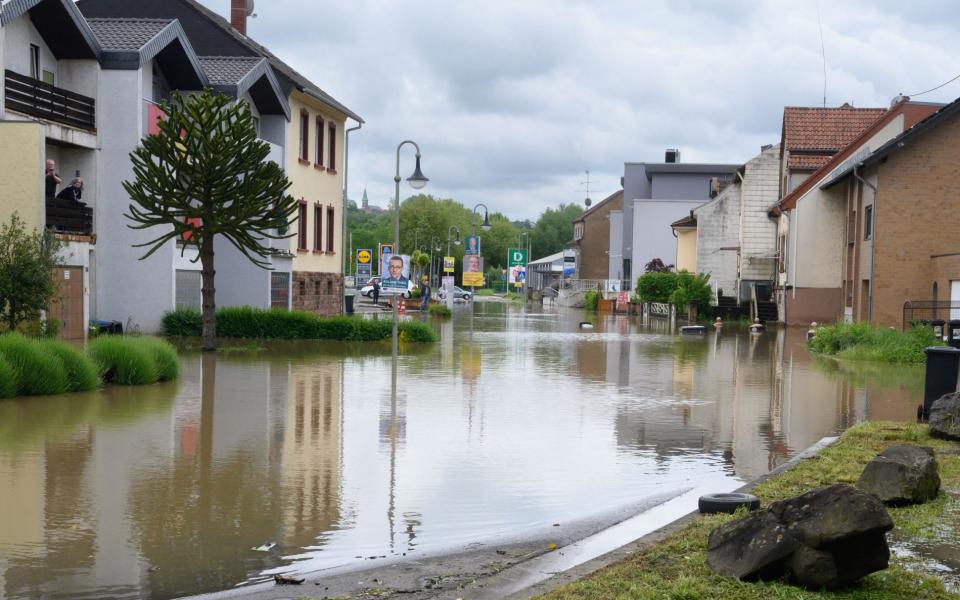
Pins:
x: 513, y: 422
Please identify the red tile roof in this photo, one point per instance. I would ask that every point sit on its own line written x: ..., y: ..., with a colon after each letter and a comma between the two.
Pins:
x: 824, y: 129
x: 913, y: 112
x: 809, y: 162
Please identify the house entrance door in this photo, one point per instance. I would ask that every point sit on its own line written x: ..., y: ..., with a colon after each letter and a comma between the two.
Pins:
x: 67, y: 305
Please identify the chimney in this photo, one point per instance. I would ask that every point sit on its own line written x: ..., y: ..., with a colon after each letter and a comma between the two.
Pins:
x: 238, y: 15
x: 672, y: 155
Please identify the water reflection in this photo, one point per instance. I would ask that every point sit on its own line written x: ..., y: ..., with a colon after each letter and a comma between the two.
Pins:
x: 335, y: 453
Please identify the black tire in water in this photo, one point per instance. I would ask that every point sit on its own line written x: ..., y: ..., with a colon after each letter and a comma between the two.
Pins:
x: 727, y: 503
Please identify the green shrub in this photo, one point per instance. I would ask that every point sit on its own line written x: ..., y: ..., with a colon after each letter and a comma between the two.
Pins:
x: 8, y: 379
x: 862, y: 341
x: 184, y: 322
x: 34, y: 371
x: 657, y: 286
x: 246, y: 322
x: 123, y: 360
x: 592, y: 299
x: 439, y: 310
x: 164, y: 356
x: 484, y: 292
x: 414, y: 331
x: 81, y: 371
x: 693, y: 287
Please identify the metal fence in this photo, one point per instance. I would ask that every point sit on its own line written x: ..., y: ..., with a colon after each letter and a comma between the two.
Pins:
x: 924, y: 311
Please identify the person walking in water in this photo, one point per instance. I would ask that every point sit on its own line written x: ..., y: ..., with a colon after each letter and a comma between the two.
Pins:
x: 376, y: 291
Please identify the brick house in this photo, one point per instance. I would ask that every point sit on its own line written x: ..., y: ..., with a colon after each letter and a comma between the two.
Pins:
x: 811, y: 243
x: 898, y: 203
x: 591, y: 238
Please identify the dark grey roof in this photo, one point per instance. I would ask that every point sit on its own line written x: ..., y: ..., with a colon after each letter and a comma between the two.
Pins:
x: 128, y: 44
x: 899, y: 142
x: 212, y: 35
x: 237, y: 75
x: 652, y: 168
x: 59, y: 22
x: 228, y: 70
x: 126, y: 34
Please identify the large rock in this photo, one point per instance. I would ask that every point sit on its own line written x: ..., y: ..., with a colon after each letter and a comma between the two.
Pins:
x: 945, y: 417
x: 902, y: 475
x: 827, y: 537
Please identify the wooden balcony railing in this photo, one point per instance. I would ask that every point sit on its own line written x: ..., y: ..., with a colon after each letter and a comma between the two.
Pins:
x: 38, y: 99
x: 66, y: 216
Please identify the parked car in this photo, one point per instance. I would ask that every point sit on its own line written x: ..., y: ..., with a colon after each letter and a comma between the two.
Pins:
x: 367, y: 290
x: 458, y: 294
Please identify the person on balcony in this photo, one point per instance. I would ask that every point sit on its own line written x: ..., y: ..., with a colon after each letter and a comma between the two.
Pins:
x: 73, y: 192
x: 52, y: 179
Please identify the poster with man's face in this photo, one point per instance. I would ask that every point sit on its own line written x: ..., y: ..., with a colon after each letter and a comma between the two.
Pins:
x: 473, y: 245
x: 396, y: 273
x: 472, y: 270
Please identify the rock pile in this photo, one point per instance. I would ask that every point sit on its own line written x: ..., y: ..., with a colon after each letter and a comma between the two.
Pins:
x: 826, y: 538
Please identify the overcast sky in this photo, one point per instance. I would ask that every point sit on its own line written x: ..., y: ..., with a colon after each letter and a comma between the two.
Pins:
x: 512, y: 101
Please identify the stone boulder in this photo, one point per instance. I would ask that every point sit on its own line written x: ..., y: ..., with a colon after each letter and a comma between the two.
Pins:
x: 945, y: 417
x: 902, y: 475
x: 826, y: 538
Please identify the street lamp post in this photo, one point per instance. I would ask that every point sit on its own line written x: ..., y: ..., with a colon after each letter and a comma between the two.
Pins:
x: 456, y: 241
x: 416, y: 181
x: 485, y: 226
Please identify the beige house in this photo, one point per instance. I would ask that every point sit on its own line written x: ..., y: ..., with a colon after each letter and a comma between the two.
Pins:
x: 685, y: 230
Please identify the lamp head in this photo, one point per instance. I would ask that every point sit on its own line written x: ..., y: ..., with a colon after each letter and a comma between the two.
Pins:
x: 457, y: 239
x: 486, y: 221
x: 418, y: 179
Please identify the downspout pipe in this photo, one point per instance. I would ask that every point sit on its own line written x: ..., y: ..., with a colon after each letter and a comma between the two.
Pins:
x: 873, y: 240
x: 346, y: 211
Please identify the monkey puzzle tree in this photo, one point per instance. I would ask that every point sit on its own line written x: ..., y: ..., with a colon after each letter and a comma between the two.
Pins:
x: 205, y: 176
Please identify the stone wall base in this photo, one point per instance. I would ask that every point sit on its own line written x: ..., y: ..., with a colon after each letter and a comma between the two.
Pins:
x: 320, y: 293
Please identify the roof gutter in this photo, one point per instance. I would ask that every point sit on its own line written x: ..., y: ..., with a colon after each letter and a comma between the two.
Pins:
x: 873, y: 241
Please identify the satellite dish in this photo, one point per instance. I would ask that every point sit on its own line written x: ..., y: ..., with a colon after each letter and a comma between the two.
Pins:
x: 249, y: 7
x: 588, y: 201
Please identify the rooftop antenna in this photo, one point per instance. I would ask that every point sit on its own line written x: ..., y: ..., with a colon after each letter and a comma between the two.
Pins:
x: 586, y: 183
x: 823, y: 56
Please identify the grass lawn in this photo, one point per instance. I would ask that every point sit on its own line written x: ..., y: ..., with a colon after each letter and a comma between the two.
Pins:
x: 676, y: 568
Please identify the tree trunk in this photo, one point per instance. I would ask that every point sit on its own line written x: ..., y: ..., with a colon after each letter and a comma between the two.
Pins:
x: 207, y: 291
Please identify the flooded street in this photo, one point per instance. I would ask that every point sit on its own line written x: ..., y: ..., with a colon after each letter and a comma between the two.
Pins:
x: 302, y: 456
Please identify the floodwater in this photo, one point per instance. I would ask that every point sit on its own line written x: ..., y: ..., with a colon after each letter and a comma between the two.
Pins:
x: 301, y: 457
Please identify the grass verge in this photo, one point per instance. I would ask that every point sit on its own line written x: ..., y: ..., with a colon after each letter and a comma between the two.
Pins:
x: 862, y: 341
x: 35, y: 372
x: 245, y: 322
x: 677, y: 568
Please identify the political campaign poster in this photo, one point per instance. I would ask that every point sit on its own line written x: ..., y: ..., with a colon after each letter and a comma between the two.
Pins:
x: 449, y: 263
x: 473, y: 245
x: 396, y: 274
x: 472, y: 270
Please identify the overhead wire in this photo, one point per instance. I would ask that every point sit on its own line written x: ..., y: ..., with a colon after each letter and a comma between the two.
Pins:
x: 934, y: 88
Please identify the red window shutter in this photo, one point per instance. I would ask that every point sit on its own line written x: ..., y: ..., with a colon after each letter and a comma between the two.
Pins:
x: 332, y: 160
x: 196, y: 222
x: 302, y: 230
x: 317, y: 227
x: 330, y: 229
x: 319, y: 160
x: 154, y: 116
x: 304, y: 135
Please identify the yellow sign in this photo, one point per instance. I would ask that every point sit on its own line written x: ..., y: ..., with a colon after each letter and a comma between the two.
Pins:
x: 473, y: 279
x: 363, y: 256
x: 448, y: 263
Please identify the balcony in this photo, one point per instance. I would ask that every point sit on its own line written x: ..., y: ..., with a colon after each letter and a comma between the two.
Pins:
x: 66, y: 216
x: 33, y: 97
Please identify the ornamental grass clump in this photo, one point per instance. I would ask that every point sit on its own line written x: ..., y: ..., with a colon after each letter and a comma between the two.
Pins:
x: 80, y: 370
x: 439, y: 310
x: 8, y: 383
x: 164, y: 357
x: 123, y: 360
x: 35, y: 372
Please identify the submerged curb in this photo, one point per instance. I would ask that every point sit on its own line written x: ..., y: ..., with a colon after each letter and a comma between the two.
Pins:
x: 654, y: 537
